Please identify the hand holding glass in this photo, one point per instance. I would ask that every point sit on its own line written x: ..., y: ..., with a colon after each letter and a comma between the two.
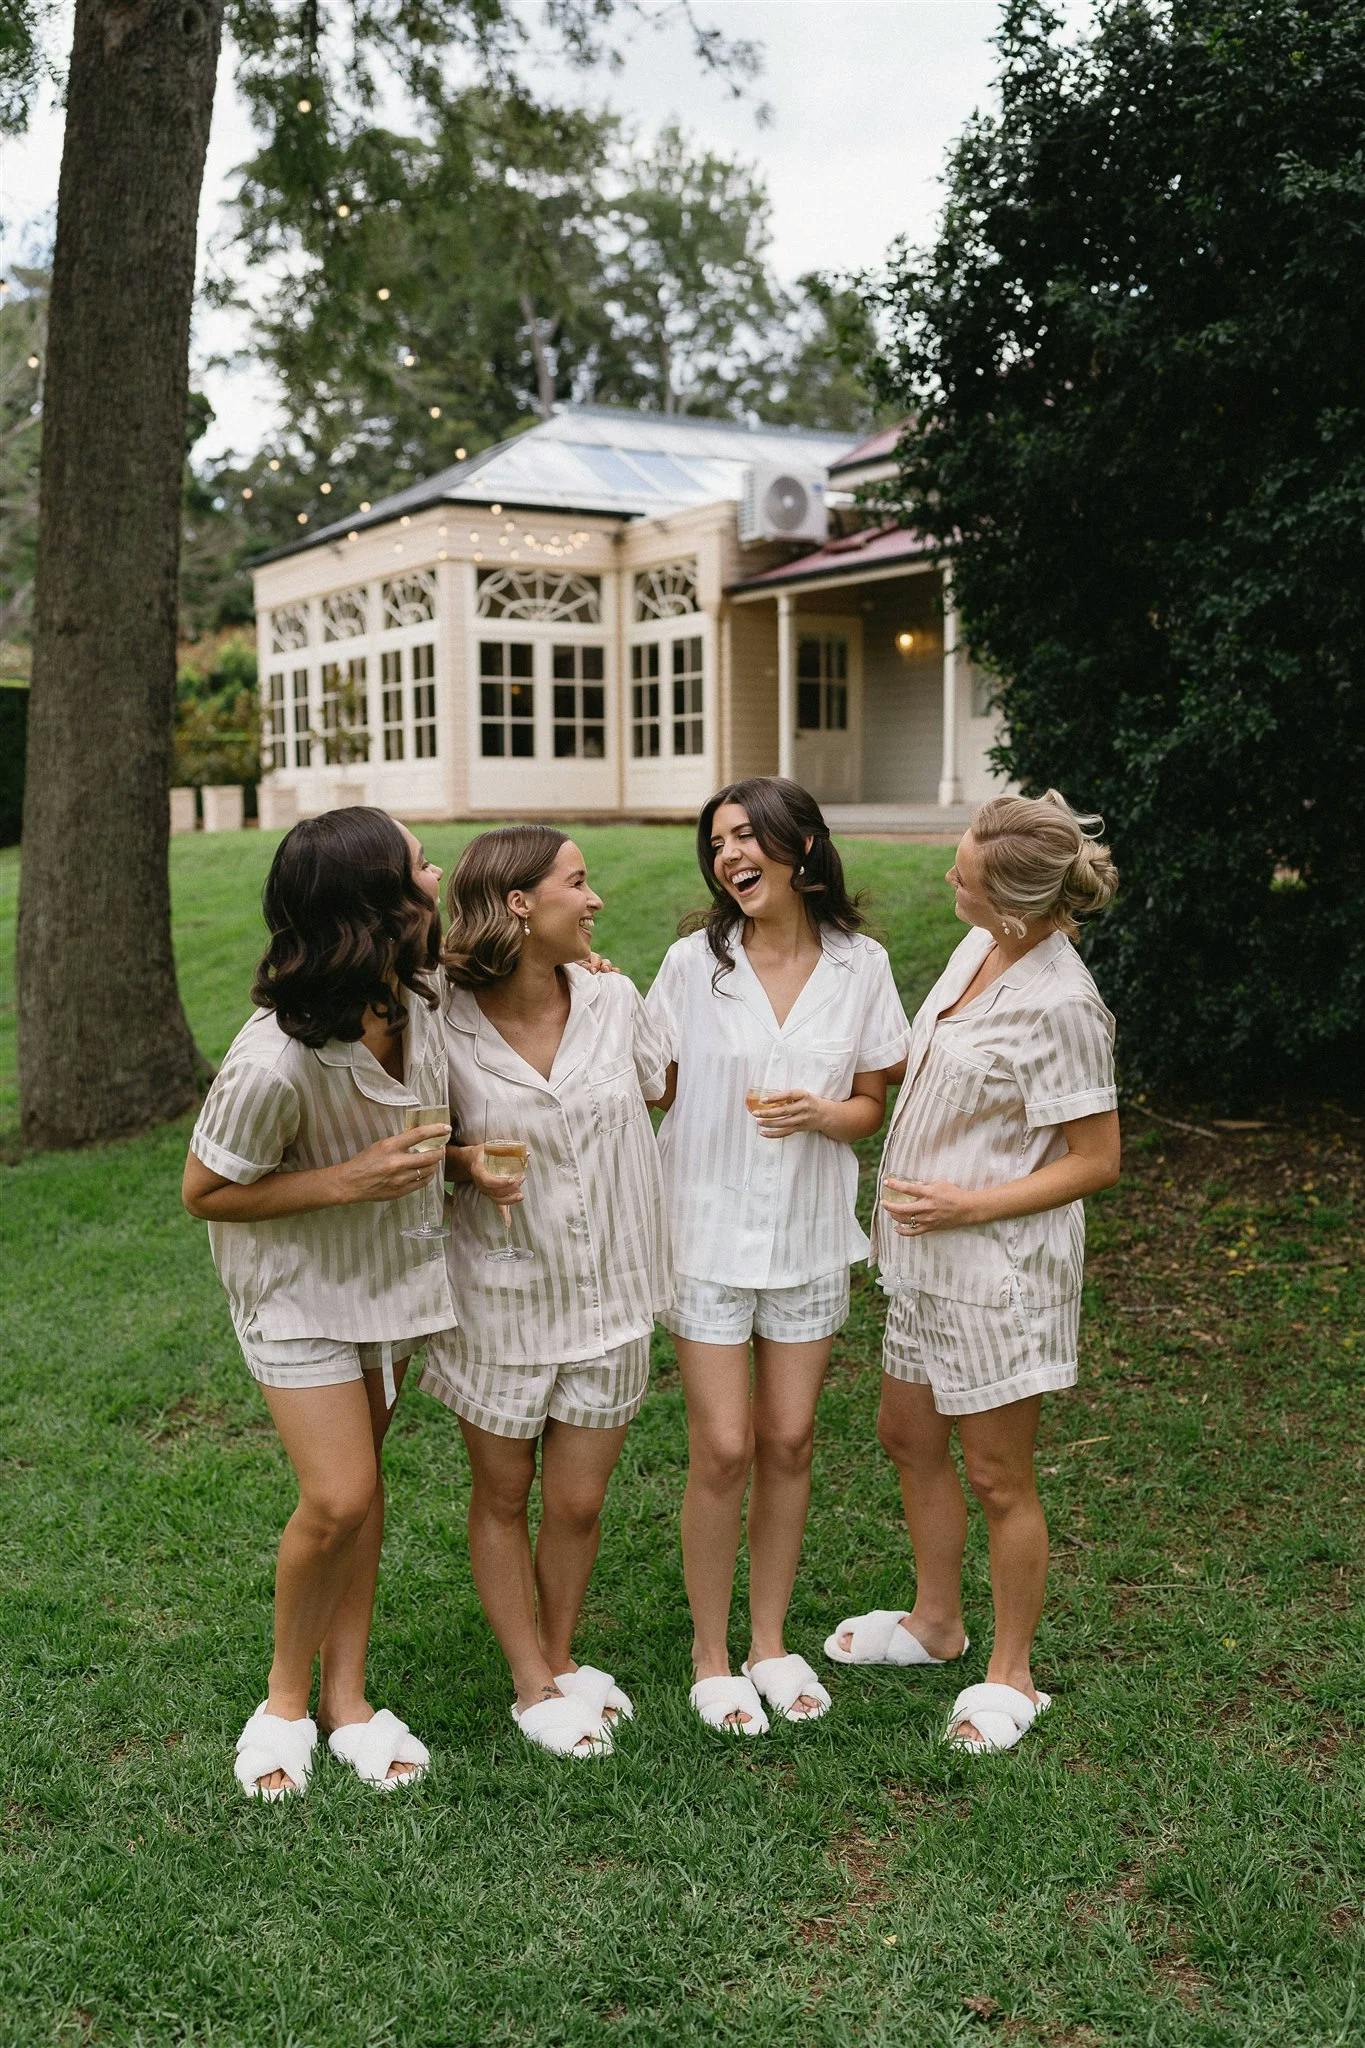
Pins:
x: 428, y: 1225
x: 505, y: 1158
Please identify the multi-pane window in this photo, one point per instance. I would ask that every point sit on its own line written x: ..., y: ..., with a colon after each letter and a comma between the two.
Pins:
x: 645, y: 720
x: 507, y: 700
x: 424, y: 701
x: 391, y: 703
x: 303, y: 742
x: 579, y: 702
x: 329, y: 707
x: 822, y: 682
x: 688, y: 722
x: 273, y: 742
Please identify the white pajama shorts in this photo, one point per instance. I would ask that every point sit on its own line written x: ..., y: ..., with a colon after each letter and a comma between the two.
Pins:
x: 518, y: 1400
x: 709, y: 1312
x: 974, y: 1358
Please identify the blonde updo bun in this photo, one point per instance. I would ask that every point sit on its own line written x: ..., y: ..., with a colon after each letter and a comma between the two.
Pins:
x: 1041, y: 859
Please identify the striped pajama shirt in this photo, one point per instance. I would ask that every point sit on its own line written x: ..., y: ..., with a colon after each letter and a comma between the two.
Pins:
x: 566, y: 1334
x: 337, y: 1276
x: 989, y: 1314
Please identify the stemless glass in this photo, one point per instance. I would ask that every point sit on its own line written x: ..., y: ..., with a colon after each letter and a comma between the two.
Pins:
x: 508, y: 1158
x: 430, y: 1201
x: 768, y: 1081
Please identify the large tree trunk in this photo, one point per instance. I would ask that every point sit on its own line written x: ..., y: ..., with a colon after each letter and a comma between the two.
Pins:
x: 104, y: 1047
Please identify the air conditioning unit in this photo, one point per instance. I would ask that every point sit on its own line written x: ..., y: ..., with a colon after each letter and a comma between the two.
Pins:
x: 778, y: 504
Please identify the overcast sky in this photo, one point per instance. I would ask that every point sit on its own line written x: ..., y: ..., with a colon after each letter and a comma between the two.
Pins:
x: 865, y: 97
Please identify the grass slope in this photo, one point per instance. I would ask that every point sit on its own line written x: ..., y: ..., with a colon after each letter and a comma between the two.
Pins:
x: 1174, y: 1858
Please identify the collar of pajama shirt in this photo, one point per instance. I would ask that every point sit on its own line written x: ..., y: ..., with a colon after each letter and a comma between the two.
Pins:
x: 749, y: 1211
x: 347, y: 1272
x: 593, y: 1212
x: 983, y: 1101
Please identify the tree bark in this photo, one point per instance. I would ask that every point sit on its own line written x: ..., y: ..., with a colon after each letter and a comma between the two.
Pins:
x: 104, y: 1047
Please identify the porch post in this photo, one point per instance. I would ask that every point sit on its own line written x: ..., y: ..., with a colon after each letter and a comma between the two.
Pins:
x: 949, y: 781
x: 786, y: 684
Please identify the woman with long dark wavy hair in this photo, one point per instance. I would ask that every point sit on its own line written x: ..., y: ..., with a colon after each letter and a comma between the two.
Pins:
x: 301, y: 1165
x: 781, y: 1018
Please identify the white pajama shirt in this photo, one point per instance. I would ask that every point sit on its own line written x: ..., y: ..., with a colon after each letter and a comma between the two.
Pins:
x: 346, y: 1273
x: 988, y: 1314
x: 752, y: 1212
x: 565, y: 1334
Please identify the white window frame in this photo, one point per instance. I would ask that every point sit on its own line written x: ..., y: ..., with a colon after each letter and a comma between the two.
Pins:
x: 542, y: 636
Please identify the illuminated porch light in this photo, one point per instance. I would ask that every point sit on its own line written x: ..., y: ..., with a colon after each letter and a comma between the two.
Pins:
x: 905, y: 642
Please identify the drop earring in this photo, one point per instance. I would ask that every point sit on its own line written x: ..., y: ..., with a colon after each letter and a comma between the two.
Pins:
x: 526, y: 926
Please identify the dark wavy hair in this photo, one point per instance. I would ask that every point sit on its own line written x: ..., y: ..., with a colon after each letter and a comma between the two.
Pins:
x: 349, y: 927
x: 784, y: 816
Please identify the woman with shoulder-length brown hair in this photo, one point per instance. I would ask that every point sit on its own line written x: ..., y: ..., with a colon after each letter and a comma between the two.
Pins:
x: 557, y: 1256
x: 1007, y: 1119
x: 313, y: 1188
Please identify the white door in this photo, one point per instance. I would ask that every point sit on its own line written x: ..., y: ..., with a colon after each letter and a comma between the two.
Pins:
x: 828, y: 709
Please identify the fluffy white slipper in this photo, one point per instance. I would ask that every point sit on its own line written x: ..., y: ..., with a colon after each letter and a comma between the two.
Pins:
x: 782, y: 1680
x: 268, y: 1743
x: 1001, y: 1715
x: 600, y: 1690
x: 714, y: 1698
x: 560, y: 1725
x: 369, y: 1747
x: 878, y: 1638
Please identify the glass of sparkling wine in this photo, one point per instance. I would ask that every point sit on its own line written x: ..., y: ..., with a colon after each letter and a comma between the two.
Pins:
x: 508, y: 1158
x: 428, y: 1226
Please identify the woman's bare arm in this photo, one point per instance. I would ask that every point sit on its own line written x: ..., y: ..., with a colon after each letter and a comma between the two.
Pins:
x: 1091, y: 1162
x: 381, y: 1173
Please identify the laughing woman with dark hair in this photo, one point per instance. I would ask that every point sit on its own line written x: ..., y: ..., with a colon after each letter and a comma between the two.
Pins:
x: 301, y: 1165
x: 781, y: 1018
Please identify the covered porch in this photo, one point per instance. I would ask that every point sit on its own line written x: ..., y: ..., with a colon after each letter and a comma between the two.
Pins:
x: 875, y: 710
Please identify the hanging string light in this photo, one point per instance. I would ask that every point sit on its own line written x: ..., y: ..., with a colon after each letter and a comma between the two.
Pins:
x: 303, y: 518
x: 274, y: 462
x: 459, y: 454
x: 248, y: 492
x: 435, y: 411
x: 383, y: 292
x: 33, y: 362
x: 325, y: 489
x: 343, y: 211
x: 305, y: 106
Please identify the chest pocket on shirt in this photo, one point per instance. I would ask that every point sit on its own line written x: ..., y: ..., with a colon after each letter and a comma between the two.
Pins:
x: 958, y: 1080
x: 616, y: 1097
x: 826, y: 1061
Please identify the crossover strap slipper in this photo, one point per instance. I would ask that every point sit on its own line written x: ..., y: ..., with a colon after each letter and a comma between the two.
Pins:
x: 1001, y: 1715
x: 369, y: 1747
x: 268, y: 1743
x: 599, y: 1689
x: 715, y: 1698
x: 878, y: 1638
x: 781, y: 1681
x: 561, y: 1725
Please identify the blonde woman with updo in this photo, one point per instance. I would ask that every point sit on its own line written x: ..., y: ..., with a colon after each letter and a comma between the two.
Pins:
x: 1007, y: 1119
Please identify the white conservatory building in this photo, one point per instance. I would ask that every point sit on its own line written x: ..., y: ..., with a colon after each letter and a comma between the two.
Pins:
x: 608, y: 616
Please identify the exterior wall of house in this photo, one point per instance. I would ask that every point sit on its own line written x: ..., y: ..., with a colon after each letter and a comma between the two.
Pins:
x: 393, y: 670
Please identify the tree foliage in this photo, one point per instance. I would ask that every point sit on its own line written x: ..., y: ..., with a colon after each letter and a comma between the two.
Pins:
x: 1133, y: 365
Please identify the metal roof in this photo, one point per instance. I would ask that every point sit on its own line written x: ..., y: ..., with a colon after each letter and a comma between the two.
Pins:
x: 596, y: 458
x: 875, y: 547
x: 877, y: 447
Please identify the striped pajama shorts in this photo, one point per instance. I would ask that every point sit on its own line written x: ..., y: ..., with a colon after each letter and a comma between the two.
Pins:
x: 518, y: 1400
x: 974, y: 1358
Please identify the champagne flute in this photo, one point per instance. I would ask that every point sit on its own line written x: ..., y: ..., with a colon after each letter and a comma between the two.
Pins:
x: 429, y: 1228
x: 508, y: 1158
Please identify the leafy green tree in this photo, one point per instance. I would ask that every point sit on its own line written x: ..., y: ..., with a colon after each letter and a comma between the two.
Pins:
x: 23, y: 347
x: 139, y: 101
x: 1133, y: 365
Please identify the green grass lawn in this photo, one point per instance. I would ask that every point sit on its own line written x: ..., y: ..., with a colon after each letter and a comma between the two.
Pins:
x: 1174, y: 1857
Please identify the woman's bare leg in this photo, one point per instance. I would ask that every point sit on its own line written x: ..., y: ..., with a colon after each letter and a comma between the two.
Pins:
x: 575, y: 1467
x: 341, y: 1689
x: 998, y: 1450
x: 327, y: 1434
x: 502, y: 1469
x: 787, y: 1383
x: 917, y: 1439
x: 720, y: 1450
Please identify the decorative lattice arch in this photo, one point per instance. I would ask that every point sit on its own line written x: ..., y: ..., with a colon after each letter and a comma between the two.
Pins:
x: 410, y: 600
x: 668, y: 592
x: 288, y: 628
x: 559, y: 597
x: 343, y: 614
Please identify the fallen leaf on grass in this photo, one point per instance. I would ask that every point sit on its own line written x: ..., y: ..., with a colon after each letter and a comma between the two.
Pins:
x: 982, y: 2008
